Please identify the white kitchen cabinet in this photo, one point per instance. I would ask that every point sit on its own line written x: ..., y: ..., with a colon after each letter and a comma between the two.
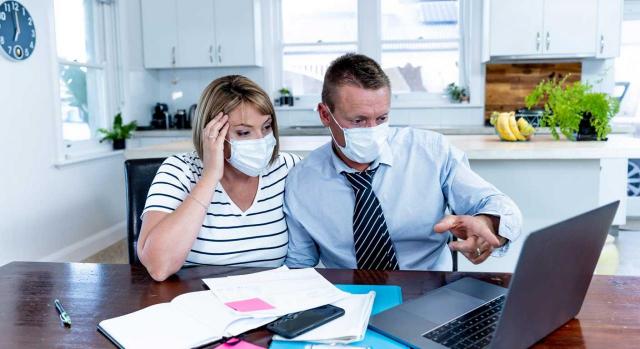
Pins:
x: 196, y: 33
x: 238, y: 27
x: 534, y: 29
x: 570, y: 27
x: 516, y: 27
x: 609, y: 28
x: 201, y: 33
x: 160, y: 31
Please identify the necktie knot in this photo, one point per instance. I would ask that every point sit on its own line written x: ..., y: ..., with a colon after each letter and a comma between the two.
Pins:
x: 361, y: 180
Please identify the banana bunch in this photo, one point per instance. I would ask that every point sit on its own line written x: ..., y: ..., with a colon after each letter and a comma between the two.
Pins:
x: 509, y: 129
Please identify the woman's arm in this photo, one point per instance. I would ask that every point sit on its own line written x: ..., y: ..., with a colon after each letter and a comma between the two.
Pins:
x: 166, y: 238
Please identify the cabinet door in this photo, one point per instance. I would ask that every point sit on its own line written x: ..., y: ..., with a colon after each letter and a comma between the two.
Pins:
x: 159, y: 38
x: 609, y: 28
x: 515, y: 27
x: 237, y: 27
x: 195, y: 33
x: 570, y: 27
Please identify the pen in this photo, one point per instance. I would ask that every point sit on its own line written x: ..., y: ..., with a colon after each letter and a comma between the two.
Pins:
x: 64, y: 317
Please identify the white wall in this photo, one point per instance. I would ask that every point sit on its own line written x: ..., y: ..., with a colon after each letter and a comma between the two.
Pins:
x: 48, y: 212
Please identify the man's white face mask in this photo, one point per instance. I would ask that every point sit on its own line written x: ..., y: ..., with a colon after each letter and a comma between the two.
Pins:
x: 252, y: 156
x: 363, y: 144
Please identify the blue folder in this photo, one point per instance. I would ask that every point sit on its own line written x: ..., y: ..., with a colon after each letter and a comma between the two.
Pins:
x: 387, y: 296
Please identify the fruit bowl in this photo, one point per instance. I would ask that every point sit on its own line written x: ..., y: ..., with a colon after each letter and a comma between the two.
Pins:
x: 509, y: 129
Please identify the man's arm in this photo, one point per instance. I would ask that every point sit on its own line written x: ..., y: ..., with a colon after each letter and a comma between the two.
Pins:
x: 468, y: 194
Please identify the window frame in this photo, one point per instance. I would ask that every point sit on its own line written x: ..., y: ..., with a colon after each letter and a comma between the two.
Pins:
x: 107, y: 59
x: 369, y: 42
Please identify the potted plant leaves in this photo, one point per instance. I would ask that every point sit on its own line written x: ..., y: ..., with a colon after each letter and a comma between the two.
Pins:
x: 119, y: 133
x: 573, y: 108
x: 456, y: 93
x: 286, y: 98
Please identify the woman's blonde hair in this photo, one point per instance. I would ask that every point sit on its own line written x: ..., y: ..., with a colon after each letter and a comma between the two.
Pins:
x: 225, y: 94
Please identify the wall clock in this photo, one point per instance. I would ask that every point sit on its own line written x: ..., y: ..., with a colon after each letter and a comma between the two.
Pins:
x: 17, y: 31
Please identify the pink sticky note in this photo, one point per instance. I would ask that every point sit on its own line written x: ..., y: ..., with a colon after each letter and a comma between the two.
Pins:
x: 238, y: 345
x: 251, y: 304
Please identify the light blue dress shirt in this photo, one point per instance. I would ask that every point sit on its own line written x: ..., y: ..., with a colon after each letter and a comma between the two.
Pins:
x: 420, y: 176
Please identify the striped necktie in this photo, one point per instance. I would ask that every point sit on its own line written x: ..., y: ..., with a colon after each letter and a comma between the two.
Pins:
x: 373, y: 246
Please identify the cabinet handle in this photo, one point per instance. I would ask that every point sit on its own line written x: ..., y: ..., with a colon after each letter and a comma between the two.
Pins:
x: 211, y: 53
x: 219, y: 53
x: 548, y: 44
x: 601, y: 44
x: 173, y: 55
x: 538, y: 41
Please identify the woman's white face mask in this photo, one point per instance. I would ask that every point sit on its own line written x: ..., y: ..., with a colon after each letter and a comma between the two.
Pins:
x: 252, y: 156
x: 362, y: 144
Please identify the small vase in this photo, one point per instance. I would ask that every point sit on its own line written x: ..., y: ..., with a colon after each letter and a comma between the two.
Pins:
x: 119, y: 144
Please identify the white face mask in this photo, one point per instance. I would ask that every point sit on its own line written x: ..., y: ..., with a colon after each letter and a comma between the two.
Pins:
x: 252, y: 156
x: 362, y: 144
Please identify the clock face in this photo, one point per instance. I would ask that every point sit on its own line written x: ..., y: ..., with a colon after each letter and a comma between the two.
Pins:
x: 17, y: 31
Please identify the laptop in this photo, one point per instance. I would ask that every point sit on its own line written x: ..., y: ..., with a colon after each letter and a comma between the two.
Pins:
x: 547, y: 289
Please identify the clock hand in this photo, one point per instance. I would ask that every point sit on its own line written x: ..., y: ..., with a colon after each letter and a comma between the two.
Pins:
x: 17, y: 25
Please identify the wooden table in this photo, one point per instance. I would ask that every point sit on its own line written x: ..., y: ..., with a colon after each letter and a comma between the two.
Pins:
x: 610, y: 316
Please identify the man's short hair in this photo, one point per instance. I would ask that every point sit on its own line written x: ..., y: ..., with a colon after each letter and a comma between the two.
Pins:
x: 352, y: 69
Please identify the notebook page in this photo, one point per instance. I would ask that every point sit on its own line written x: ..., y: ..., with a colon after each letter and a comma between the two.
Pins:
x: 206, y: 308
x: 157, y: 326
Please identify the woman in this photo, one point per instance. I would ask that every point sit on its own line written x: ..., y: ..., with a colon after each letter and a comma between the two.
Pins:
x: 222, y: 203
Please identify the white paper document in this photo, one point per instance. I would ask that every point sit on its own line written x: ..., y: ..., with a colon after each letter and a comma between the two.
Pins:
x: 350, y: 327
x: 285, y: 290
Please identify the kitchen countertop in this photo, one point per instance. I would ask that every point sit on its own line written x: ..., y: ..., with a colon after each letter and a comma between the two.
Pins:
x: 314, y: 130
x: 477, y: 147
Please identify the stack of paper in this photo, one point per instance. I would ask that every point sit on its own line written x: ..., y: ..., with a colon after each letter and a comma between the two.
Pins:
x: 349, y: 328
x: 275, y: 292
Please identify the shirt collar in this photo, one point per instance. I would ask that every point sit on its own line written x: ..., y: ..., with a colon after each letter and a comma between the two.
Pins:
x: 385, y: 158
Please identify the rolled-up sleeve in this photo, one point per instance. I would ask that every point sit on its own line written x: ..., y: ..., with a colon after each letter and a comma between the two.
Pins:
x: 302, y: 250
x: 469, y: 194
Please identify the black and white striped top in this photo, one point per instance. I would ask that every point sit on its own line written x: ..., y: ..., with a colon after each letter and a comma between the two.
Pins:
x: 256, y: 237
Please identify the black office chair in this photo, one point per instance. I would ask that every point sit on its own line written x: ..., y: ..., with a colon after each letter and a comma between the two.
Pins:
x: 139, y: 174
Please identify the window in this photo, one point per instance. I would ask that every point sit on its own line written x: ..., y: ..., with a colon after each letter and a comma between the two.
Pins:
x: 86, y: 70
x: 313, y: 34
x: 627, y: 71
x: 420, y: 42
x: 417, y: 43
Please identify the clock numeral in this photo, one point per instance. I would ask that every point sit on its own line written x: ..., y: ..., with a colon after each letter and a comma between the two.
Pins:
x: 9, y: 48
x: 1, y: 40
x: 31, y: 45
x: 33, y: 33
x: 30, y: 21
x: 16, y: 6
x: 7, y: 7
x: 3, y: 16
x: 26, y: 52
x: 24, y: 11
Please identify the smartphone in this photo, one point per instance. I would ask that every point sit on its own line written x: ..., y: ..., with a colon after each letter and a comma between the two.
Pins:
x: 295, y: 324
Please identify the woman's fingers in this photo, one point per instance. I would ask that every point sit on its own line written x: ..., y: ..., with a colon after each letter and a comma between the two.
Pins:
x: 209, y: 125
x: 222, y: 134
x: 213, y: 127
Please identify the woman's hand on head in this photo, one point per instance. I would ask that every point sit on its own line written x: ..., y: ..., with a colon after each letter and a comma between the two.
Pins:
x: 214, y: 134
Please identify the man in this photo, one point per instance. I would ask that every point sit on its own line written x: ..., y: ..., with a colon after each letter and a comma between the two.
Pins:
x: 375, y: 197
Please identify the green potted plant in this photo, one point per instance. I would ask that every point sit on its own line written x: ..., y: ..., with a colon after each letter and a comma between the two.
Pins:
x: 119, y: 133
x: 574, y: 109
x: 456, y: 93
x: 286, y: 98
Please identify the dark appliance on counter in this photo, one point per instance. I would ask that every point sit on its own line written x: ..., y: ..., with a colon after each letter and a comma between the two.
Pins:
x: 192, y: 115
x: 161, y: 119
x: 532, y: 116
x: 181, y: 119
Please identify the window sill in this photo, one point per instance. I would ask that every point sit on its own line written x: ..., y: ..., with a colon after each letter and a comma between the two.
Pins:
x: 77, y: 159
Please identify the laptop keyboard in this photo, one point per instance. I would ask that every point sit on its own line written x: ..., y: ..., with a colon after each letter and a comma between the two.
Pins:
x: 471, y: 330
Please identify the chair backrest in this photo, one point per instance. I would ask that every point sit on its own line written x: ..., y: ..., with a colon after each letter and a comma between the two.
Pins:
x: 139, y: 174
